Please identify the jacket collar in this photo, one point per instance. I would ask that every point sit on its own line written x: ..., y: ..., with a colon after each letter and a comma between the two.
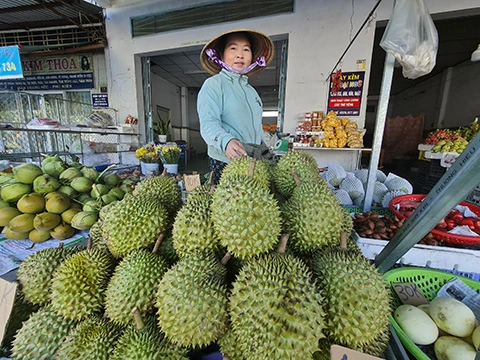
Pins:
x: 234, y: 77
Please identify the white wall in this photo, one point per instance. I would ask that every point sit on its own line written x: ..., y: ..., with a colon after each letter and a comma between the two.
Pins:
x: 318, y: 33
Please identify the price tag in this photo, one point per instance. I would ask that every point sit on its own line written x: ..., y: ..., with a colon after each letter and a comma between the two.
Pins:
x: 409, y: 293
x: 7, y: 299
x: 191, y: 181
x: 338, y: 352
x: 10, y: 63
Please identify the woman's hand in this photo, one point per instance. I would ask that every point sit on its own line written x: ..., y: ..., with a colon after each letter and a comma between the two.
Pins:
x: 235, y: 149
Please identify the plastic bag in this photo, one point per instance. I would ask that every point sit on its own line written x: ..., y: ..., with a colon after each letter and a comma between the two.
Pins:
x: 412, y: 38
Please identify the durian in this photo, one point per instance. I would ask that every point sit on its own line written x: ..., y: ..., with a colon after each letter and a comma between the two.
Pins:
x: 275, y: 310
x: 41, y: 335
x: 166, y: 188
x: 35, y: 273
x: 357, y: 298
x: 311, y: 230
x: 134, y: 223
x: 246, y: 217
x: 134, y: 284
x: 192, y: 301
x: 92, y: 338
x: 241, y: 166
x: 193, y: 227
x: 79, y: 283
x: 302, y: 163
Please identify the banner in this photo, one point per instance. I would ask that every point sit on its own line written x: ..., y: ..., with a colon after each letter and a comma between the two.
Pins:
x: 63, y: 72
x: 347, y: 100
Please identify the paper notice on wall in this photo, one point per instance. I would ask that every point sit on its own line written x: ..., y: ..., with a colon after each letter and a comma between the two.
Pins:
x: 458, y: 290
x: 13, y: 252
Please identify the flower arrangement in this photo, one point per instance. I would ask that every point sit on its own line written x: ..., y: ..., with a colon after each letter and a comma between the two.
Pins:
x: 170, y: 153
x: 148, y: 153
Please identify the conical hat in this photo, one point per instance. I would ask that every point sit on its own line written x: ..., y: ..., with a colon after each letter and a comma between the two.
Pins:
x: 261, y: 45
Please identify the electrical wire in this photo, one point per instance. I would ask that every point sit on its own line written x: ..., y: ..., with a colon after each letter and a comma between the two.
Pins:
x: 354, y: 38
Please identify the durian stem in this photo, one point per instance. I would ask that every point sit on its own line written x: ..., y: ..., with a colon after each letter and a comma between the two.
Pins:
x: 138, y: 318
x: 296, y: 177
x: 251, y: 169
x: 89, y: 243
x: 210, y: 179
x: 228, y: 255
x: 95, y: 189
x: 60, y: 245
x: 282, y: 246
x: 158, y: 243
x: 343, y: 240
x: 164, y: 172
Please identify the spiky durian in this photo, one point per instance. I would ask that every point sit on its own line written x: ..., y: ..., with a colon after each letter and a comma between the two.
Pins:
x: 192, y: 301
x: 304, y: 165
x: 311, y: 230
x: 96, y: 236
x: 275, y: 310
x: 246, y: 217
x: 167, y: 251
x: 166, y: 188
x: 134, y: 223
x: 41, y: 335
x: 134, y: 284
x: 79, y: 283
x: 92, y: 338
x: 229, y: 346
x: 241, y: 166
x: 357, y: 298
x: 35, y: 273
x: 193, y: 227
x: 139, y: 341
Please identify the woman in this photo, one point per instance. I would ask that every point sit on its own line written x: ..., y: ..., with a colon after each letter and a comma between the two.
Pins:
x: 229, y: 109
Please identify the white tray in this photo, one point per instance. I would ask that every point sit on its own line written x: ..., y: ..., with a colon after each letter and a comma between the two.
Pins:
x: 436, y: 257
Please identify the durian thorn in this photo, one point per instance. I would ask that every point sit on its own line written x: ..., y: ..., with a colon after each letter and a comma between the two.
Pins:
x: 343, y: 240
x: 282, y: 246
x: 228, y: 255
x: 89, y: 243
x: 138, y: 318
x: 251, y: 169
x: 60, y: 245
x: 296, y: 177
x: 158, y: 243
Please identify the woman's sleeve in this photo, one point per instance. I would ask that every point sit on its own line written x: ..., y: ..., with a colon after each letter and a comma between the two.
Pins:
x: 209, y: 108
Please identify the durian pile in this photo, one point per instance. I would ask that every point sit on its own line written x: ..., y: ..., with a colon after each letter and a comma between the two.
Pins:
x: 350, y: 187
x: 260, y: 264
x: 56, y: 199
x: 340, y: 132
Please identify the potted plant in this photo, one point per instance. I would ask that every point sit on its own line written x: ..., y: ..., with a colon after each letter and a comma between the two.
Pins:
x: 149, y: 156
x: 162, y: 129
x: 170, y: 155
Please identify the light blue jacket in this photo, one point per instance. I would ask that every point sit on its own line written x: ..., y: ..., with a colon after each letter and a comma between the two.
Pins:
x: 229, y: 108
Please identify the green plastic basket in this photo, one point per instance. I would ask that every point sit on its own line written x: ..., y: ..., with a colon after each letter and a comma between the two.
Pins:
x: 429, y: 281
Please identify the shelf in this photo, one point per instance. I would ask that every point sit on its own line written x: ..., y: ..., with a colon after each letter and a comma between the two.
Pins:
x: 325, y: 148
x: 76, y: 130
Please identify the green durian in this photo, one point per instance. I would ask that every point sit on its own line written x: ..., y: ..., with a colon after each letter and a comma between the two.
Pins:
x: 263, y: 172
x: 245, y: 216
x: 79, y: 283
x: 166, y: 188
x: 192, y: 295
x: 134, y: 284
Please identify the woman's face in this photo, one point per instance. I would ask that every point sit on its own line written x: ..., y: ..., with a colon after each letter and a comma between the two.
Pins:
x: 237, y: 53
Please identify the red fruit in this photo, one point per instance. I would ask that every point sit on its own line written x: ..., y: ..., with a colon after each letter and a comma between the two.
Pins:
x: 476, y: 222
x: 450, y: 224
x: 441, y: 225
x: 467, y: 222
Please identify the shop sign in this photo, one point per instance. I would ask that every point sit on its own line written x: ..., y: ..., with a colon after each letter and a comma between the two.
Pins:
x: 63, y: 72
x: 10, y: 63
x: 347, y: 100
x: 100, y: 100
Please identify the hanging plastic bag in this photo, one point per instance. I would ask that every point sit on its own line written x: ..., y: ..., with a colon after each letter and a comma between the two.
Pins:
x: 412, y: 38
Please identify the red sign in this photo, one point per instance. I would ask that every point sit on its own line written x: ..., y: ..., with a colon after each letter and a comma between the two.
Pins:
x: 345, y: 95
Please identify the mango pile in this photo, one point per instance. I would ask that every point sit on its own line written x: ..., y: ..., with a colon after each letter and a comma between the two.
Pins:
x: 56, y: 199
